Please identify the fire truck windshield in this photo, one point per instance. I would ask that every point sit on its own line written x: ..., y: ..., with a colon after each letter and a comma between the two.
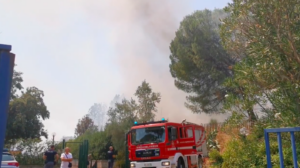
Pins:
x: 148, y: 135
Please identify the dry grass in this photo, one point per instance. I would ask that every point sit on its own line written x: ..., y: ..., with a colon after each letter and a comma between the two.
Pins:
x: 225, y: 134
x: 223, y: 139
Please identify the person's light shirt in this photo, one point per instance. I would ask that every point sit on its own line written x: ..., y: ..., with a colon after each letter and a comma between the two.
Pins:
x: 65, y: 164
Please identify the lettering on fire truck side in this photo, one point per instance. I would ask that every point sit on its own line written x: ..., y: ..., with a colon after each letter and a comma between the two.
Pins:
x: 186, y: 142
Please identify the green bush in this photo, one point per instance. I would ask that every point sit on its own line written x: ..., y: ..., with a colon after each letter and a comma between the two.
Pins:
x: 215, y: 157
x: 212, y: 143
x: 243, y: 153
x: 32, y: 150
x: 250, y: 152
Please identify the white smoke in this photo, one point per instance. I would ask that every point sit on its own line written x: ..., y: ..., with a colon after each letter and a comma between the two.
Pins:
x: 141, y: 32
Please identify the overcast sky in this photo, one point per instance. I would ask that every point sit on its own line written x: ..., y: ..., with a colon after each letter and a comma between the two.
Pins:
x: 85, y: 52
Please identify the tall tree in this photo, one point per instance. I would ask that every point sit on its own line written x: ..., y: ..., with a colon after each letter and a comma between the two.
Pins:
x: 122, y: 115
x: 121, y: 118
x: 26, y: 114
x: 267, y: 32
x: 16, y: 84
x: 147, y: 101
x: 199, y: 63
x: 98, y: 114
x: 116, y: 99
x: 83, y: 125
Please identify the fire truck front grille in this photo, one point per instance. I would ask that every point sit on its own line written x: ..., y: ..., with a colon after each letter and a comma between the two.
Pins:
x: 147, y: 153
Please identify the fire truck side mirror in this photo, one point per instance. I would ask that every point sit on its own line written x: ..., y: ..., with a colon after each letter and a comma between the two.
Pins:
x: 173, y: 133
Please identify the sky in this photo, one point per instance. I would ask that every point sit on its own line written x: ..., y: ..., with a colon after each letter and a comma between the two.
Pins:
x: 85, y: 52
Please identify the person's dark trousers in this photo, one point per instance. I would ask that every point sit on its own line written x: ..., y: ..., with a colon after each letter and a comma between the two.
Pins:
x: 110, y: 163
x: 49, y: 165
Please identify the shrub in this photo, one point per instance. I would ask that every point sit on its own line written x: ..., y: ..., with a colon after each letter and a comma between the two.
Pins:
x: 215, y: 157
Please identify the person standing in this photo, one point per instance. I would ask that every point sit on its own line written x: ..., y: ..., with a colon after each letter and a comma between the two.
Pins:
x: 50, y: 157
x: 66, y: 159
x: 110, y: 157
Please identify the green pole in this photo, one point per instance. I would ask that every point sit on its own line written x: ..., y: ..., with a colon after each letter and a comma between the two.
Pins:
x: 84, y: 156
x: 87, y: 152
x: 80, y: 156
x: 63, y: 145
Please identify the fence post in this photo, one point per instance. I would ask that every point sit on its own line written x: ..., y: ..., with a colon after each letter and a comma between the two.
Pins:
x: 294, y: 150
x: 7, y: 60
x: 268, y: 152
x: 280, y: 149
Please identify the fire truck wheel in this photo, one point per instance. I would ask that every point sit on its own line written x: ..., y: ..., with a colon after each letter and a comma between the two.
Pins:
x: 180, y: 163
x: 200, y: 162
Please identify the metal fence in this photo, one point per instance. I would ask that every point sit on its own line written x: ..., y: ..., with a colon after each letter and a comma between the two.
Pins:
x: 278, y: 131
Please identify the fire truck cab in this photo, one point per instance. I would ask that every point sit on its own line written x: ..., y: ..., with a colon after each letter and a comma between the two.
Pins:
x: 166, y: 144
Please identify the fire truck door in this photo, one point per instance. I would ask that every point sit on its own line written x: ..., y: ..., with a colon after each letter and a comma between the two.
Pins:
x: 172, y: 139
x: 186, y: 143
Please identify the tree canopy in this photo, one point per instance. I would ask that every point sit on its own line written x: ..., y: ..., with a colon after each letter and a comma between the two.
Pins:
x: 84, y: 124
x: 199, y: 63
x: 122, y: 115
x: 26, y: 112
x: 98, y: 114
x: 147, y: 101
x: 265, y: 36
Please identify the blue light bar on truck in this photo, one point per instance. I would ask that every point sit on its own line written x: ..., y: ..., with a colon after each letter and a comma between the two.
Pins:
x: 152, y: 122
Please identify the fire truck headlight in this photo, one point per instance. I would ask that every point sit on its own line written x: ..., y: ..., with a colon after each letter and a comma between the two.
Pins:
x: 132, y: 165
x: 167, y: 163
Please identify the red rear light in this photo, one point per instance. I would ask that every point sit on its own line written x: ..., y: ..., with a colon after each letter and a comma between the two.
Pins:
x: 14, y: 164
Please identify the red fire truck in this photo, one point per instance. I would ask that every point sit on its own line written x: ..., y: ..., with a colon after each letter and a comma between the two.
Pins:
x: 166, y: 144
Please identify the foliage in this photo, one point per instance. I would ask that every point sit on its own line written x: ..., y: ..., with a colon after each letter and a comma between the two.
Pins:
x: 84, y: 124
x: 264, y: 36
x: 122, y: 116
x: 99, y: 143
x: 26, y: 112
x: 32, y: 151
x: 213, y: 122
x: 147, y: 101
x: 131, y: 110
x: 16, y: 84
x: 249, y: 151
x: 116, y: 99
x: 243, y: 154
x: 25, y: 115
x: 97, y: 113
x: 216, y: 157
x: 235, y: 119
x: 199, y: 63
x: 212, y: 143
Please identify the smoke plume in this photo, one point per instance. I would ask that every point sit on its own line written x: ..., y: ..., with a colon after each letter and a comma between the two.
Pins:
x: 141, y: 32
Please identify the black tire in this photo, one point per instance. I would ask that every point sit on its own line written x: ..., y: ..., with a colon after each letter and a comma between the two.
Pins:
x: 180, y: 163
x: 200, y: 162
